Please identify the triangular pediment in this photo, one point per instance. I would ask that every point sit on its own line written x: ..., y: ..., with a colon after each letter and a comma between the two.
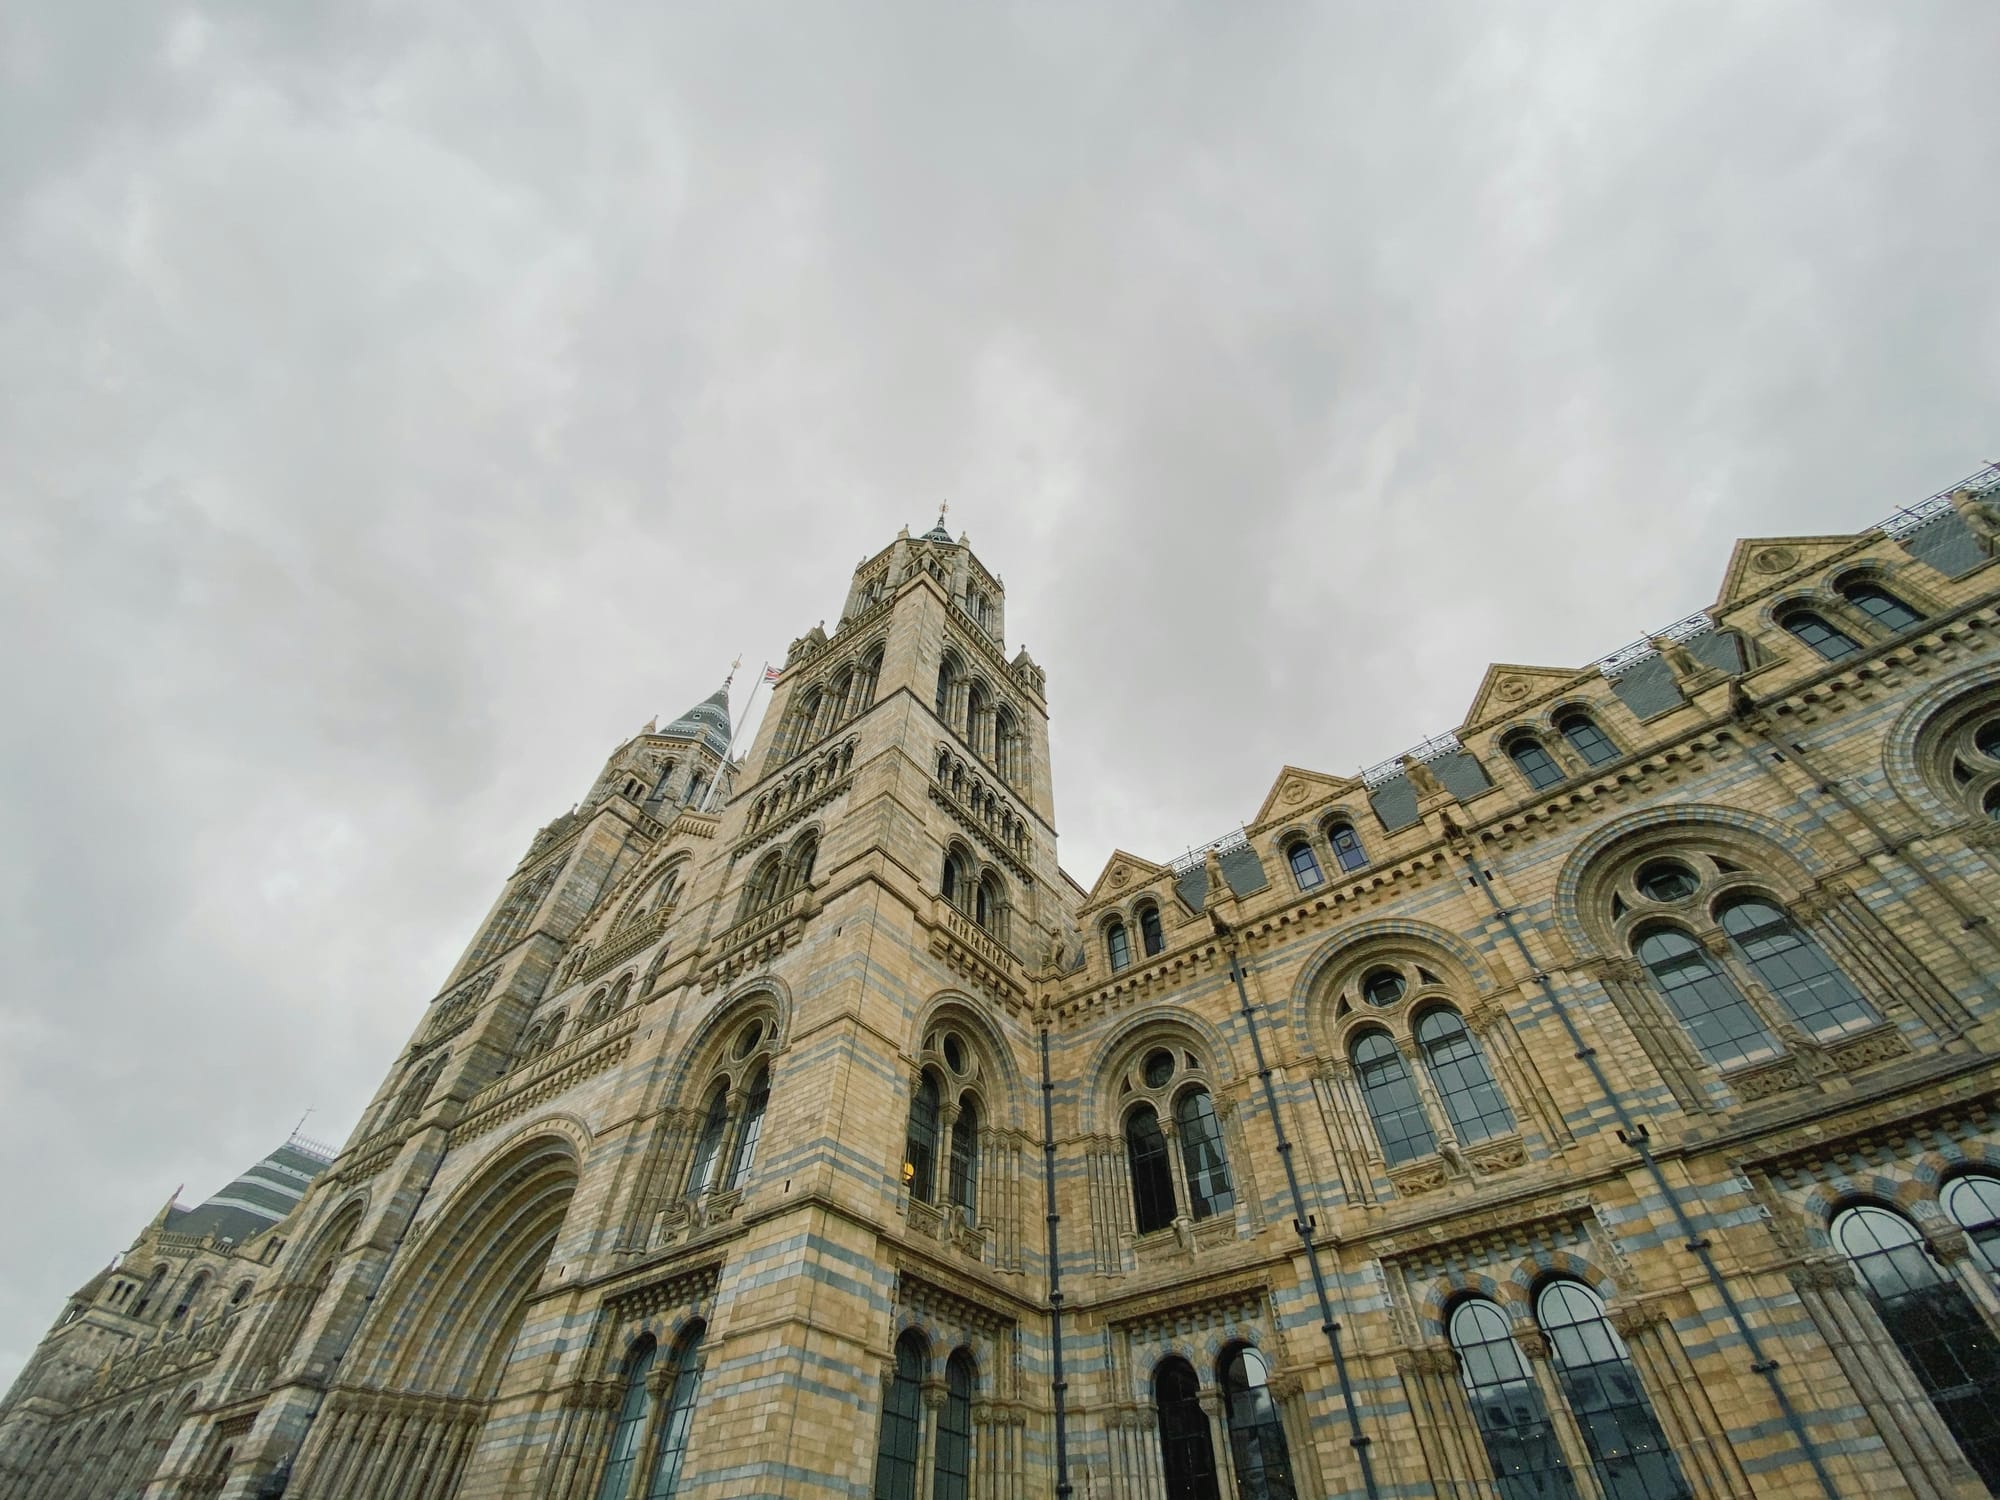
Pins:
x: 1297, y: 789
x: 1508, y: 687
x: 1123, y: 874
x: 1762, y: 561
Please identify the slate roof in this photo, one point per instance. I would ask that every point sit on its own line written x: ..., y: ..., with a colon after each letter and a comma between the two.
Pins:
x: 254, y: 1201
x: 707, y: 721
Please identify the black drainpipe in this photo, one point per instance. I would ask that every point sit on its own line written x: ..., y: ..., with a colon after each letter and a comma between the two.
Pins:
x: 1635, y: 1135
x: 1059, y: 1385
x: 1304, y: 1224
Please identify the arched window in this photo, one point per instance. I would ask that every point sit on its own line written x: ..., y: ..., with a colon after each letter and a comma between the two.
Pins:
x: 869, y: 679
x: 666, y: 775
x: 697, y: 784
x: 1974, y: 1205
x: 678, y: 1416
x: 152, y: 1290
x: 1626, y: 1446
x: 1717, y: 1017
x: 1257, y: 1444
x: 1940, y: 1333
x: 708, y: 1145
x: 975, y: 719
x: 1117, y: 945
x: 1202, y: 1156
x: 190, y: 1296
x: 1464, y: 1083
x: 1184, y: 1442
x: 1534, y: 762
x: 1400, y: 1123
x: 1592, y: 743
x: 1793, y: 967
x: 631, y: 1424
x: 764, y: 883
x: 1822, y: 637
x: 952, y: 883
x: 1006, y: 743
x: 988, y: 902
x: 1513, y: 1421
x: 902, y: 1412
x: 946, y: 681
x: 1347, y: 850
x: 751, y: 1128
x: 805, y: 854
x: 1151, y: 937
x: 920, y: 1141
x: 1152, y: 1176
x: 1883, y: 607
x: 964, y: 1184
x: 952, y: 1478
x: 1305, y: 865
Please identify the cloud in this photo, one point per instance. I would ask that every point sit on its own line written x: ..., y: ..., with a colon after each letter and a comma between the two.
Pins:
x: 396, y: 408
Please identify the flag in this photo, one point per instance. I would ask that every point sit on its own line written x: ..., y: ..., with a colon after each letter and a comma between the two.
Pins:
x: 772, y: 674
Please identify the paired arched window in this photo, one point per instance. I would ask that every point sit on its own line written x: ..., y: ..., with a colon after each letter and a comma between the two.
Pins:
x: 1117, y: 945
x: 1620, y: 1432
x: 1152, y: 1175
x: 1168, y: 1081
x: 1347, y: 850
x: 954, y: 881
x: 1202, y: 1157
x: 1592, y: 743
x: 1716, y: 1016
x: 920, y: 1140
x: 1506, y: 1403
x: 1257, y: 1446
x: 1948, y: 1345
x: 902, y: 1422
x: 1152, y: 938
x: 1458, y: 1071
x: 1305, y: 865
x: 1185, y: 1446
x: 1813, y: 629
x: 964, y: 1185
x: 706, y: 1165
x: 1881, y: 606
x: 1391, y: 1097
x: 666, y: 1435
x: 952, y: 1477
x: 630, y: 1428
x: 766, y: 883
x: 676, y: 1420
x: 732, y: 1124
x: 751, y: 1129
x: 1973, y: 1201
x: 1793, y: 967
x: 1533, y: 761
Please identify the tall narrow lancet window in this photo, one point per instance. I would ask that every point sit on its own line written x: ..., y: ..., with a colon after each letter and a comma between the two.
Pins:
x: 631, y: 1424
x: 1794, y: 968
x: 952, y: 1478
x: 1584, y: 737
x: 1305, y: 865
x: 870, y: 678
x: 1716, y: 1015
x: 1974, y: 1205
x: 678, y: 1415
x: 902, y: 1412
x: 1151, y: 937
x: 1185, y: 1446
x: 1201, y: 1155
x: 947, y: 680
x: 1534, y: 762
x: 1117, y: 945
x: 1507, y: 1404
x: 1400, y: 1122
x: 975, y: 719
x: 1464, y: 1083
x: 1152, y: 1175
x: 707, y: 1164
x: 1347, y: 850
x: 1813, y: 629
x: 1257, y: 1447
x: 751, y: 1128
x: 1006, y: 747
x: 964, y: 1183
x: 920, y: 1141
x: 1881, y: 606
x: 1626, y: 1446
x: 1948, y: 1345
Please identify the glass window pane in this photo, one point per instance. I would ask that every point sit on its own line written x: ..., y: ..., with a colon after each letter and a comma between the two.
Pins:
x: 1513, y: 1422
x: 1184, y: 1442
x: 630, y: 1427
x: 702, y: 1171
x: 1974, y: 1205
x: 1626, y: 1446
x: 677, y: 1417
x: 1881, y: 605
x: 1201, y: 1155
x: 1154, y: 937
x: 1400, y: 1122
x: 1589, y: 741
x: 1795, y: 969
x: 753, y: 1127
x: 1535, y: 763
x: 1718, y: 1018
x: 1822, y: 637
x: 1119, y: 945
x: 1152, y: 1177
x: 902, y: 1410
x: 1257, y: 1446
x: 1346, y: 846
x: 921, y: 1141
x: 1305, y: 866
x: 953, y: 1475
x: 1465, y: 1086
x: 965, y: 1154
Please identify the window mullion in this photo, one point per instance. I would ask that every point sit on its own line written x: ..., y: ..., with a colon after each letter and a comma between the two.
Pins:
x: 1569, y: 1436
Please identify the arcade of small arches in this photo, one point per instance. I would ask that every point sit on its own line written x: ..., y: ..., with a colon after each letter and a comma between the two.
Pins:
x: 991, y: 727
x: 978, y: 889
x: 801, y: 786
x: 779, y: 873
x: 1331, y: 845
x: 822, y: 704
x: 966, y: 787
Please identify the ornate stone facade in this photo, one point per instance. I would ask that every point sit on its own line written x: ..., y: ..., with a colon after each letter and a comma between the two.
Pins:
x: 1537, y: 1111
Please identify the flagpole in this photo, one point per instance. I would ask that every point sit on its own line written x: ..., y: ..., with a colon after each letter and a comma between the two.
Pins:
x: 736, y: 734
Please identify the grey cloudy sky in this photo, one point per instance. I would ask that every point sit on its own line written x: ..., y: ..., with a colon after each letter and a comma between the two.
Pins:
x: 399, y: 404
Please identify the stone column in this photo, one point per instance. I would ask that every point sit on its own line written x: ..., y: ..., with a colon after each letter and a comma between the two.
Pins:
x: 1447, y: 1433
x: 932, y: 1405
x: 1952, y: 1247
x: 1688, y: 1417
x: 1569, y: 1437
x: 1218, y: 1439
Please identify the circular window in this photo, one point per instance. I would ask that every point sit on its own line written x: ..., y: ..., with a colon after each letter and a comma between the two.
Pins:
x: 1666, y: 880
x: 1158, y: 1067
x: 749, y: 1037
x: 954, y: 1052
x: 1383, y: 987
x: 1987, y: 740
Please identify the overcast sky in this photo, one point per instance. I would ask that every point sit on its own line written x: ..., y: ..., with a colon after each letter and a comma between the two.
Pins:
x: 399, y: 404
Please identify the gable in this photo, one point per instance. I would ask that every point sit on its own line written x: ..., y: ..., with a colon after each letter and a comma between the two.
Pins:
x: 1508, y: 688
x: 1762, y: 562
x: 1297, y: 789
x: 1123, y: 874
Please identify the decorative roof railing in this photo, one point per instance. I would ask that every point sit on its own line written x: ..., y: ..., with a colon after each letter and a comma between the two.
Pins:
x: 1229, y: 843
x: 1908, y: 518
x: 1388, y: 770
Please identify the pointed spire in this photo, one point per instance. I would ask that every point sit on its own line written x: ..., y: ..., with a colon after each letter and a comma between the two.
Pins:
x: 708, y: 721
x: 937, y: 533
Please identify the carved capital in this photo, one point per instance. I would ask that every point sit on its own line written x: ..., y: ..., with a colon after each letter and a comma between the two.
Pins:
x: 1632, y: 1319
x: 935, y: 1394
x: 1534, y: 1343
x: 1948, y: 1242
x: 1211, y: 1402
x: 1821, y: 1275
